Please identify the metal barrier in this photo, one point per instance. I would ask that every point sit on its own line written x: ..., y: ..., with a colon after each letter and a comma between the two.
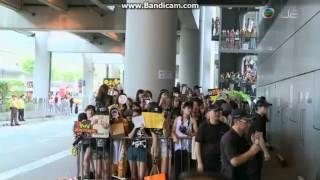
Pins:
x: 114, y: 158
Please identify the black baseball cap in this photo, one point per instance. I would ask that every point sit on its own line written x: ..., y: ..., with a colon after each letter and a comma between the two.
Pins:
x: 214, y: 107
x: 241, y: 114
x: 264, y: 103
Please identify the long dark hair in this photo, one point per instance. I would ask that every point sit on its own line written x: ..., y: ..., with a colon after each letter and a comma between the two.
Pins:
x: 103, y: 100
x: 102, y: 92
x: 140, y: 91
x: 162, y: 92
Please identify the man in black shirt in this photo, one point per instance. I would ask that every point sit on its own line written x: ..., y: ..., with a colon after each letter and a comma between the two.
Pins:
x: 235, y: 151
x: 208, y: 141
x: 258, y: 126
x: 260, y: 120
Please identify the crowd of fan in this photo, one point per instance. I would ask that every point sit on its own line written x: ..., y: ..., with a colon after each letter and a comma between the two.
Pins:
x: 240, y: 82
x: 189, y: 140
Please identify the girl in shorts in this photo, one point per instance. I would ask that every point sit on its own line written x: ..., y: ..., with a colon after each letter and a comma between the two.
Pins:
x: 137, y: 149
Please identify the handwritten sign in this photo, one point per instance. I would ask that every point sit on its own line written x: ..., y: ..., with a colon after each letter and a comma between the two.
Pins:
x: 83, y: 127
x: 153, y: 120
x: 112, y: 82
x: 138, y: 121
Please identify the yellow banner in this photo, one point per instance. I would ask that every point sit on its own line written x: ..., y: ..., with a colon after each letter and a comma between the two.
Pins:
x: 153, y: 120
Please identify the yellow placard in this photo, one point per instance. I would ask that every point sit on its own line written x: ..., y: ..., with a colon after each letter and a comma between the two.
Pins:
x: 213, y: 98
x: 153, y: 120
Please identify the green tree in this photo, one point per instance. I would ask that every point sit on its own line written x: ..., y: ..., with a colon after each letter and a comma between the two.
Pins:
x: 27, y: 65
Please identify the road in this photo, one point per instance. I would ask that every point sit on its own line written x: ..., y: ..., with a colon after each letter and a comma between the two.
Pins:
x: 37, y: 151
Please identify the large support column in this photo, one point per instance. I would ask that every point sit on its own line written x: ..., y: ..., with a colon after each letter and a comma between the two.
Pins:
x: 205, y: 44
x: 42, y: 67
x: 150, y: 50
x: 88, y: 74
x: 189, y: 57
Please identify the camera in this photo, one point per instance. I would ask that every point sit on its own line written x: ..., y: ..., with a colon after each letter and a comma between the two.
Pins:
x: 183, y: 129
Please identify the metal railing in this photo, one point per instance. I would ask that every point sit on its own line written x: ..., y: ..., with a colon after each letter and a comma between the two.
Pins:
x: 102, y: 161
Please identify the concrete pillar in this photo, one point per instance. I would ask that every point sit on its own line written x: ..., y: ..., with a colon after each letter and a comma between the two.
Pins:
x: 150, y: 50
x: 88, y: 75
x: 189, y: 57
x: 42, y: 67
x: 205, y: 45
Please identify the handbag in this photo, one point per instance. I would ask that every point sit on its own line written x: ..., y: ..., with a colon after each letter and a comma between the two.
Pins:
x: 155, y: 174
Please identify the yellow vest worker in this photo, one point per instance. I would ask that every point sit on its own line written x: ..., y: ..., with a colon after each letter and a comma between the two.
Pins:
x: 21, y: 104
x: 14, y: 103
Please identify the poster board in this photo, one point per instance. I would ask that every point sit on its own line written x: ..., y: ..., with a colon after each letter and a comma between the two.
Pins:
x: 112, y: 82
x: 153, y: 120
x: 117, y: 130
x: 83, y: 127
x: 100, y: 122
x: 138, y: 121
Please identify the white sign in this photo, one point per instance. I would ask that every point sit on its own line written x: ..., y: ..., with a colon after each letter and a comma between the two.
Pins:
x: 122, y: 99
x: 138, y: 121
x: 100, y: 122
x: 165, y: 74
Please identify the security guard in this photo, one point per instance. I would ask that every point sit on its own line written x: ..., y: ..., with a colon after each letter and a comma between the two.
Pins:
x: 235, y: 151
x: 21, y: 106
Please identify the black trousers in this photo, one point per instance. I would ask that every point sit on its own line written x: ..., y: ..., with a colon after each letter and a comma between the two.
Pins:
x: 21, y: 114
x: 181, y: 162
x: 255, y: 167
x: 255, y: 176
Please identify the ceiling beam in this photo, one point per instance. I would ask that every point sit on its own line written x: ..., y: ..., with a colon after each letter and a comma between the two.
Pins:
x: 27, y: 33
x: 15, y: 5
x: 82, y: 43
x: 102, y: 6
x: 60, y: 5
x: 77, y: 19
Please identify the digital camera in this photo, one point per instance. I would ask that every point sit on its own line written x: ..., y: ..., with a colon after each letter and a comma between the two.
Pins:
x: 183, y: 129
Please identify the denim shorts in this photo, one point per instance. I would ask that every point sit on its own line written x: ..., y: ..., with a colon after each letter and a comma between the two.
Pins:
x: 137, y: 154
x: 164, y: 148
x: 99, y: 154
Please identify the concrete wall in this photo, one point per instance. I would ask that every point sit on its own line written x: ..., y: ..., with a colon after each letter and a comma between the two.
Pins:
x: 288, y: 73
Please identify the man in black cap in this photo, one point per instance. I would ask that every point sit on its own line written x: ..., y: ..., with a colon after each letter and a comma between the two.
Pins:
x: 260, y: 116
x: 259, y: 126
x: 208, y: 138
x: 235, y: 151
